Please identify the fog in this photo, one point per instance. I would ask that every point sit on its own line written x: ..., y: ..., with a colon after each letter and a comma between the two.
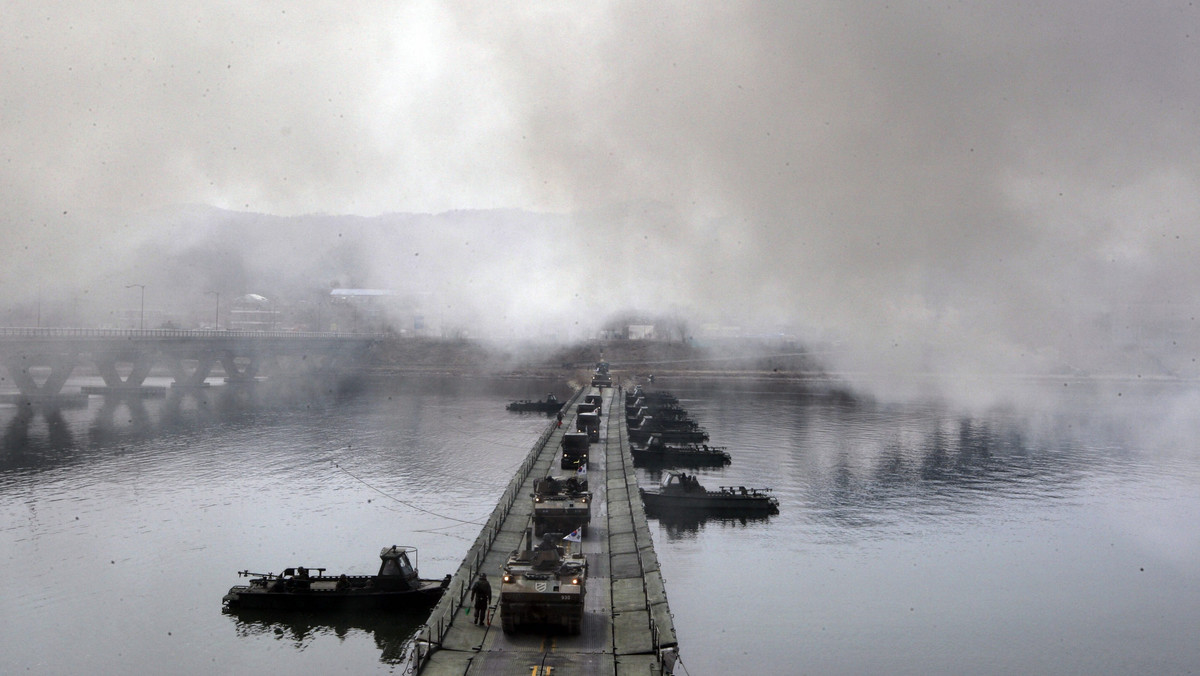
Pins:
x: 945, y: 190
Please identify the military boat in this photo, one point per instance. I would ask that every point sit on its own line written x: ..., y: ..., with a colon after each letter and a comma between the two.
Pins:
x: 543, y: 586
x: 681, y: 493
x: 397, y: 586
x: 550, y: 404
x: 657, y: 453
x: 648, y: 426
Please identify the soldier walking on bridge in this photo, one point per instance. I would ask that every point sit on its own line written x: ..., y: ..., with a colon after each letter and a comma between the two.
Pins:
x: 481, y: 593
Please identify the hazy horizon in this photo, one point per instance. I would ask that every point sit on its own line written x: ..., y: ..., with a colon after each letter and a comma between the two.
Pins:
x: 957, y: 190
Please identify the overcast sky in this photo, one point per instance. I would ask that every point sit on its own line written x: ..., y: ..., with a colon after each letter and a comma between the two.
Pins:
x: 959, y: 175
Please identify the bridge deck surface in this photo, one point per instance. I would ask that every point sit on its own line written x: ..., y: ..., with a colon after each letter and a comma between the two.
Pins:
x: 625, y: 608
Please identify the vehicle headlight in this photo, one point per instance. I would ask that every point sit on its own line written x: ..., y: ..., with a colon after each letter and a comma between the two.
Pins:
x: 575, y: 581
x: 508, y: 578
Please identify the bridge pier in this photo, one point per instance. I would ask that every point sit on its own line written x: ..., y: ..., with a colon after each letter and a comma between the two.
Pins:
x: 61, y: 366
x: 141, y: 363
x: 197, y: 376
x: 28, y: 353
x: 244, y: 372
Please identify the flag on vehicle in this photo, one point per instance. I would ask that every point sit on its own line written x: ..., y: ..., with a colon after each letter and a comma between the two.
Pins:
x: 574, y: 536
x: 581, y: 471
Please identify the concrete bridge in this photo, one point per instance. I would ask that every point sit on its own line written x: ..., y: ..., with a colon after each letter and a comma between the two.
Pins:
x: 40, y: 360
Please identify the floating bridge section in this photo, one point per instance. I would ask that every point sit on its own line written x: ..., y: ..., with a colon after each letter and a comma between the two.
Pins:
x: 627, y: 626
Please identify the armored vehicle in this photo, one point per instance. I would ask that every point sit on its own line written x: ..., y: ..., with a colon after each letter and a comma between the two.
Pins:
x: 543, y: 586
x: 574, y: 450
x: 397, y: 586
x: 601, y: 377
x: 601, y: 380
x: 561, y: 505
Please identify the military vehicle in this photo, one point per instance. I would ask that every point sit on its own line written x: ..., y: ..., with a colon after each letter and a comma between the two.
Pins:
x: 588, y: 423
x: 597, y: 400
x: 561, y: 505
x: 574, y: 450
x: 601, y: 377
x: 543, y: 586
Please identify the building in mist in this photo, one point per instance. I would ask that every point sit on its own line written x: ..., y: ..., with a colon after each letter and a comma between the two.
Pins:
x: 369, y: 310
x: 252, y: 312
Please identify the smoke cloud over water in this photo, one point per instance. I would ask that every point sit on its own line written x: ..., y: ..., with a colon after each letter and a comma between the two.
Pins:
x: 961, y: 189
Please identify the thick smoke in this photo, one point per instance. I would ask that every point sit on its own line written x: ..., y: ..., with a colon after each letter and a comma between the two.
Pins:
x: 962, y: 189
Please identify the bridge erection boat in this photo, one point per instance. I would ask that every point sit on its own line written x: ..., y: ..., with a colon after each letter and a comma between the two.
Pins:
x: 656, y: 453
x: 396, y: 587
x: 550, y: 404
x: 682, y: 494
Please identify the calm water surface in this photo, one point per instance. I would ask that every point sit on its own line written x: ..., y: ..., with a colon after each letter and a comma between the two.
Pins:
x: 1058, y: 539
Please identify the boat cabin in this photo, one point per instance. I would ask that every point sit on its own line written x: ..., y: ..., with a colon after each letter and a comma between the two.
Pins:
x: 395, y: 569
x: 678, y: 482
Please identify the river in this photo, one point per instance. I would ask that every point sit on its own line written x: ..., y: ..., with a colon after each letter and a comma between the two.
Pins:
x: 1056, y: 538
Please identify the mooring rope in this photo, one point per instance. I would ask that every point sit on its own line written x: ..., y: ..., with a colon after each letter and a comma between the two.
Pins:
x: 406, y: 504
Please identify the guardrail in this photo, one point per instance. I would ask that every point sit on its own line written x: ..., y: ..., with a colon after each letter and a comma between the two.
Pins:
x: 429, y: 637
x: 666, y: 650
x: 41, y: 332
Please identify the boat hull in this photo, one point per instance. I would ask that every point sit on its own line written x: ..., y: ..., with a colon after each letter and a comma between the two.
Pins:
x: 710, y: 503
x: 661, y: 456
x: 321, y: 600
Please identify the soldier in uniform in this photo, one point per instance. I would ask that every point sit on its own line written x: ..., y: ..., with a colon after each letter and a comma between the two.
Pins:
x: 481, y: 593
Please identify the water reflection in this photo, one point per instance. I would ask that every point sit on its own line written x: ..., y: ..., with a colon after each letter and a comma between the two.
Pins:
x: 861, y: 465
x: 17, y: 436
x: 391, y: 631
x: 679, y: 527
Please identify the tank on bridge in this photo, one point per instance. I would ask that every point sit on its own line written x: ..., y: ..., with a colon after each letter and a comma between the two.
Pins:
x: 561, y: 505
x: 543, y: 586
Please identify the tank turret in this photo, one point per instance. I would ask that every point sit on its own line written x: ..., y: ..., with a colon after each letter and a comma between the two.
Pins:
x: 543, y: 585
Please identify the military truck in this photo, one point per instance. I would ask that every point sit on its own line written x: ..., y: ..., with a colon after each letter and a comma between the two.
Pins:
x: 597, y: 400
x: 561, y: 505
x: 588, y: 423
x: 601, y: 377
x: 574, y: 450
x: 543, y: 586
